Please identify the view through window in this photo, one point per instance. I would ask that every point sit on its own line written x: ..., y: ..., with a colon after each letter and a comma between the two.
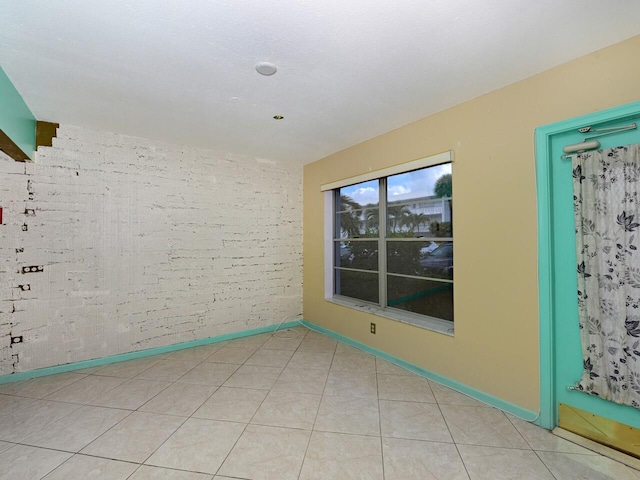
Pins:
x: 393, y: 242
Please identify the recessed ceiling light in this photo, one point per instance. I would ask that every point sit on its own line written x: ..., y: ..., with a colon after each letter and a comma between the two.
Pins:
x: 266, y: 68
x: 278, y: 117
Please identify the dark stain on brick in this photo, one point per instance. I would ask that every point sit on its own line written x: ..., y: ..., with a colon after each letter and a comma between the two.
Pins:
x: 33, y: 269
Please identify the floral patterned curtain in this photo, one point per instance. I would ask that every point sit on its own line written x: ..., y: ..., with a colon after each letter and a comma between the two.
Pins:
x: 606, y: 186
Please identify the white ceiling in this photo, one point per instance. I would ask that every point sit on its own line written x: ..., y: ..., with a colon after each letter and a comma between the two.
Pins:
x: 348, y: 70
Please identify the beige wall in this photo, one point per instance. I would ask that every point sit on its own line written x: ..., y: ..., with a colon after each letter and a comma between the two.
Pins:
x: 496, y: 342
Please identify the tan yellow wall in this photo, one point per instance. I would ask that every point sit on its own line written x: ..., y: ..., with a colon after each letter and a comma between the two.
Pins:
x: 496, y: 342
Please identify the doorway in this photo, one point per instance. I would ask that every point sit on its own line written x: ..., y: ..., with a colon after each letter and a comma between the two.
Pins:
x: 560, y: 350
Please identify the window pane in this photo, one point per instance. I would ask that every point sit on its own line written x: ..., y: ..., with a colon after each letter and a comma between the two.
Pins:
x: 419, y: 203
x: 361, y: 223
x: 360, y: 194
x: 426, y: 297
x: 361, y: 285
x: 357, y: 212
x: 438, y: 263
x: 349, y: 224
x: 425, y: 259
x: 357, y: 254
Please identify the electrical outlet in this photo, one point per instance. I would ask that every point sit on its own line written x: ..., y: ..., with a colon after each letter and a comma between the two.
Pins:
x: 373, y: 328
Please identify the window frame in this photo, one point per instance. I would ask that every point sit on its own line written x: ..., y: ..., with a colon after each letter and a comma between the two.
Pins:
x: 333, y: 240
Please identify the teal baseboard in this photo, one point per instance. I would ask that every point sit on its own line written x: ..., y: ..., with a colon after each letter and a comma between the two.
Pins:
x: 490, y: 400
x: 98, y: 362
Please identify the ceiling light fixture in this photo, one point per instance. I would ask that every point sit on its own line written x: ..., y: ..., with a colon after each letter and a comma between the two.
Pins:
x: 265, y: 68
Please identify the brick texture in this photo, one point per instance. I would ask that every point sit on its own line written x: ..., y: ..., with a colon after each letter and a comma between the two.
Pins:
x: 141, y: 244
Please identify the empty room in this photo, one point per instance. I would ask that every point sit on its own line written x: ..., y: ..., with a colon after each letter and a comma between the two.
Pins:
x: 227, y: 239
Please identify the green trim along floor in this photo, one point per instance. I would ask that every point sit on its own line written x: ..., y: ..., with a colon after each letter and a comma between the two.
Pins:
x: 516, y: 410
x: 98, y: 362
x: 471, y: 392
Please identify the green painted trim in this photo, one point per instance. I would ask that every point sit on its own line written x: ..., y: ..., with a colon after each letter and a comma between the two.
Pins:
x: 98, y: 362
x: 545, y: 278
x: 16, y: 120
x: 546, y: 302
x: 415, y: 296
x: 520, y: 412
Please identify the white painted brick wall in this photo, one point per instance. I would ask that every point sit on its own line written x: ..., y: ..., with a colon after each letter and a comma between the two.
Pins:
x: 143, y: 244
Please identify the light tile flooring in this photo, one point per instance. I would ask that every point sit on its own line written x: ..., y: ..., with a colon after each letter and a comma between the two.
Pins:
x: 269, y: 407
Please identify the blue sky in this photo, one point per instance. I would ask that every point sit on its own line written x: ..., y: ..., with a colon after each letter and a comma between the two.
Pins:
x: 405, y: 186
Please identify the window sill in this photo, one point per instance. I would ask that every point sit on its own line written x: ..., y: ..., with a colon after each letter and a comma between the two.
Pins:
x: 429, y: 323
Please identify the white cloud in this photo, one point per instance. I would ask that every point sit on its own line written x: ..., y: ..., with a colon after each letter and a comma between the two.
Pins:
x: 365, y: 191
x: 365, y: 195
x: 404, y: 186
x: 416, y: 184
x: 399, y: 190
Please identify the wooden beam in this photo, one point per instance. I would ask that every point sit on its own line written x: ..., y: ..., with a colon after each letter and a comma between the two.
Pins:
x: 45, y: 133
x: 10, y: 148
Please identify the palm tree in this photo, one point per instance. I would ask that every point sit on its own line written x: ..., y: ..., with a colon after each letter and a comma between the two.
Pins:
x: 413, y: 221
x: 350, y: 222
x: 372, y: 219
x: 397, y: 215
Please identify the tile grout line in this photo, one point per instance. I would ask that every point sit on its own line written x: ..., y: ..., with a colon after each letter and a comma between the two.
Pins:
x: 137, y: 410
x: 380, y: 417
x: 217, y: 387
x: 464, y: 465
x: 313, y: 427
x: 243, y: 430
x: 529, y: 445
x: 256, y: 411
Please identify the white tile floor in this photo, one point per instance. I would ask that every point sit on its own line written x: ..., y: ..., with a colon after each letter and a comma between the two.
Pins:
x: 267, y: 407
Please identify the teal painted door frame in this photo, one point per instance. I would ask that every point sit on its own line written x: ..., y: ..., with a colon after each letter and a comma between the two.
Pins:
x: 556, y: 265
